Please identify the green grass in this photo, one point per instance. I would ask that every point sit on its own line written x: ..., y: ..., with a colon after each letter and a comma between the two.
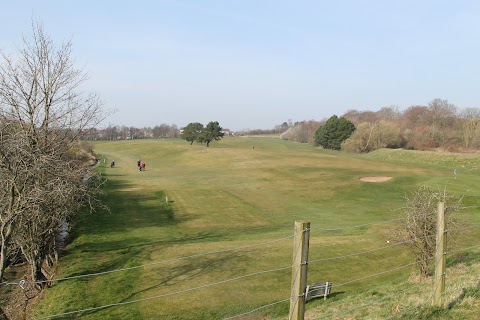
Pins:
x: 238, y: 192
x: 409, y: 299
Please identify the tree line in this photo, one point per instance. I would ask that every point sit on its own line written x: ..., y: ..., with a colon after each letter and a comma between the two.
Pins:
x: 121, y: 132
x: 193, y: 132
x: 440, y: 124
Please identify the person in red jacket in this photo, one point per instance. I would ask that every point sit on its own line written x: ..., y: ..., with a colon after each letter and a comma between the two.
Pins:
x: 143, y: 166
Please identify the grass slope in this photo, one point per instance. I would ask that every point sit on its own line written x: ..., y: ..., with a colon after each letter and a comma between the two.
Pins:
x: 239, y: 192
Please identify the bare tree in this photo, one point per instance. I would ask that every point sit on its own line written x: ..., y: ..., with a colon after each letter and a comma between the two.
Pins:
x: 471, y: 127
x: 14, y: 178
x: 358, y: 117
x: 372, y: 136
x: 302, y: 132
x: 173, y: 131
x: 110, y: 133
x: 441, y: 118
x: 419, y: 225
x: 390, y: 113
x: 43, y: 113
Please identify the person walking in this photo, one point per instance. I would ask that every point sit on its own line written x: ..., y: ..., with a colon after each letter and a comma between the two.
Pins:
x: 143, y: 166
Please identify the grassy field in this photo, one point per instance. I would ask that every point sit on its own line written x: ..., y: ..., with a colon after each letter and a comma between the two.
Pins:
x: 238, y: 193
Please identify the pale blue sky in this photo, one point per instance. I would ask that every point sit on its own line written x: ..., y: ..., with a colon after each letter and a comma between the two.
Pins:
x: 254, y: 64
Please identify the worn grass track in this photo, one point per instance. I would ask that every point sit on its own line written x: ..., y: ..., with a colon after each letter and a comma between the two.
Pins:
x: 238, y: 192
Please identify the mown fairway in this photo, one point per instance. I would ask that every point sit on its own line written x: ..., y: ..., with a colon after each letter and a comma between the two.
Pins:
x: 239, y: 192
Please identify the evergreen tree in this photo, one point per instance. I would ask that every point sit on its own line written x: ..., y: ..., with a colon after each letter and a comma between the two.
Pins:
x: 212, y: 131
x: 192, y: 132
x: 334, y: 132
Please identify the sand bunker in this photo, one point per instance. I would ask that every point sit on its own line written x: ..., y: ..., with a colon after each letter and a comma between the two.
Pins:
x: 375, y: 179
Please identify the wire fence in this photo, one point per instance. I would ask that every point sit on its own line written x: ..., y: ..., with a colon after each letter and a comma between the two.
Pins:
x: 151, y: 263
x: 166, y: 294
x: 362, y: 306
x: 258, y: 273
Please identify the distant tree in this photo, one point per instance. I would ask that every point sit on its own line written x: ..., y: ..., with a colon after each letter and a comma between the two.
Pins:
x: 302, y: 132
x: 135, y: 133
x: 254, y: 132
x: 471, y: 127
x: 284, y: 126
x: 441, y: 118
x: 110, y: 133
x: 173, y: 131
x: 471, y: 132
x: 334, y: 132
x: 357, y: 117
x: 122, y: 132
x: 160, y: 131
x: 358, y: 142
x: 415, y: 116
x: 212, y: 132
x: 192, y: 132
x: 148, y: 132
x: 372, y: 136
x: 165, y: 131
x: 390, y: 113
x: 156, y: 132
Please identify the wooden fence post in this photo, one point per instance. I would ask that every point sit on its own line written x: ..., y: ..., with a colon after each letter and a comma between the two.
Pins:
x: 299, y: 270
x: 440, y: 257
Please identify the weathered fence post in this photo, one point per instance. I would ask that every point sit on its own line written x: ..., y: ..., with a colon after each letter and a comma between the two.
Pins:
x: 299, y: 270
x: 440, y: 257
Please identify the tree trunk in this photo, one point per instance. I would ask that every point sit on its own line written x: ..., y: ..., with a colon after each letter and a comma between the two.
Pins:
x: 36, y: 271
x: 423, y: 268
x: 3, y: 260
x: 6, y: 234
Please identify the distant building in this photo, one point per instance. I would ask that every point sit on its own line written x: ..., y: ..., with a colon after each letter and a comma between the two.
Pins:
x: 227, y: 132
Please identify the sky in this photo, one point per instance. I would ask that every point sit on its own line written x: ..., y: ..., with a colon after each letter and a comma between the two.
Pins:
x: 253, y: 64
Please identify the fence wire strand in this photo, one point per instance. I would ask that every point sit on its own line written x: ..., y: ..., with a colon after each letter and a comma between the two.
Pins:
x: 383, y: 272
x: 368, y: 304
x: 465, y: 228
x: 254, y: 310
x: 359, y: 226
x: 369, y: 251
x: 463, y: 249
x: 166, y: 294
x: 148, y: 264
x: 253, y: 274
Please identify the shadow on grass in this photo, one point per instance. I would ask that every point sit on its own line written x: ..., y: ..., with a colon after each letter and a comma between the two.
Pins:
x: 108, y: 237
x: 189, y: 271
x: 120, y: 253
x: 173, y: 277
x: 468, y: 258
x: 130, y: 210
x: 139, y: 224
x: 473, y: 291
